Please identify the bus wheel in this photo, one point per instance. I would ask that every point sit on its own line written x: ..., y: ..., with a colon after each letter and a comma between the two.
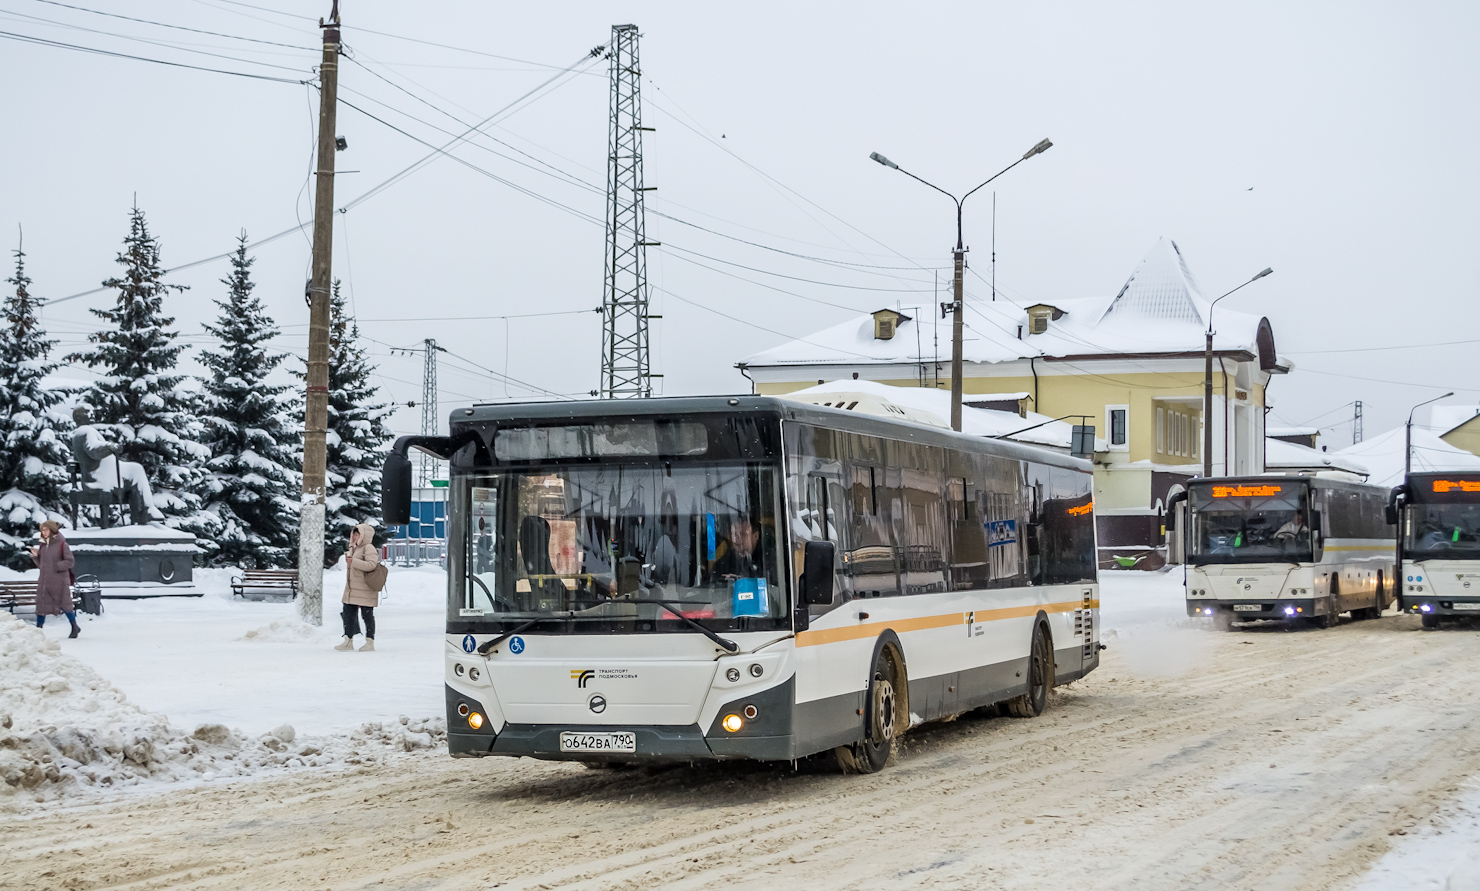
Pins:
x: 1430, y: 622
x: 881, y: 718
x: 1040, y: 679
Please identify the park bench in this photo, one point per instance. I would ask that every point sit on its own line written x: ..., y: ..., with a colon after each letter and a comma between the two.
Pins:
x: 21, y: 596
x: 275, y: 581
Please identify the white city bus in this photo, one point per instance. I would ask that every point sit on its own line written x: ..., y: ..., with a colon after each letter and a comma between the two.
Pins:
x: 1438, y: 517
x: 1287, y: 548
x: 687, y: 579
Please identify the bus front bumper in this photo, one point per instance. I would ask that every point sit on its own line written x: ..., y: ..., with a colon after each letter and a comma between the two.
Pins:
x: 1248, y: 610
x: 1455, y: 607
x: 767, y: 736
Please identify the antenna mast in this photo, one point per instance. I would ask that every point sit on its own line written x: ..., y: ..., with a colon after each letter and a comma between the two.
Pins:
x: 1357, y: 422
x: 626, y: 370
x: 428, y: 406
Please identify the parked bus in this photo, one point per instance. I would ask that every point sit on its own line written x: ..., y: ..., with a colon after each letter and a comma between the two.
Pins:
x: 1287, y: 548
x: 1438, y: 518
x: 717, y: 578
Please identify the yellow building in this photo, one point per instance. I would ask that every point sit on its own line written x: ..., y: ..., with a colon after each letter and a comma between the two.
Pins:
x: 1130, y: 364
x: 1458, y: 425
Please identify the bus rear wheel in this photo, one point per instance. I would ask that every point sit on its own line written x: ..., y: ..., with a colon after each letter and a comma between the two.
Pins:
x: 881, y: 718
x: 1040, y: 679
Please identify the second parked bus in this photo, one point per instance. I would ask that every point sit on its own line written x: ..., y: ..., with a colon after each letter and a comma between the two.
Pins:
x: 1289, y: 548
x: 1438, y: 517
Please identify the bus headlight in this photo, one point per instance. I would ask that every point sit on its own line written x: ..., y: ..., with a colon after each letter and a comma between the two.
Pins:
x: 475, y: 720
x: 1427, y: 607
x: 1289, y: 610
x: 732, y: 723
x: 1208, y: 611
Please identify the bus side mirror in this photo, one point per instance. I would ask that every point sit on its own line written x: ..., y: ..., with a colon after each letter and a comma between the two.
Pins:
x: 1390, y: 513
x: 818, y: 560
x: 395, y: 490
x: 1171, y: 521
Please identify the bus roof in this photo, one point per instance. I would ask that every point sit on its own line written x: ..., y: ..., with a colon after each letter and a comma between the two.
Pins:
x: 822, y: 416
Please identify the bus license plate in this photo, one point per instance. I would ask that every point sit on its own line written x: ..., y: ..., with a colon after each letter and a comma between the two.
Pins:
x: 1248, y: 608
x: 1467, y: 606
x: 598, y: 742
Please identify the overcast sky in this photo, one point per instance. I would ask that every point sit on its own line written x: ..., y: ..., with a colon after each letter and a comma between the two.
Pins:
x: 1335, y: 142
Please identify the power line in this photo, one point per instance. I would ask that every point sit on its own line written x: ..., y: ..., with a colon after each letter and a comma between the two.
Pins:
x: 129, y: 18
x: 179, y: 47
x: 41, y: 41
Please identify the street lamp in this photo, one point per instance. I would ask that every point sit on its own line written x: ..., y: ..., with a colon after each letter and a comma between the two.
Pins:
x: 960, y: 256
x: 1208, y: 385
x: 1408, y: 433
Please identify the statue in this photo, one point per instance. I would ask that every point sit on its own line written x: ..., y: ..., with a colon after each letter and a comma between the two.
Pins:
x: 89, y: 451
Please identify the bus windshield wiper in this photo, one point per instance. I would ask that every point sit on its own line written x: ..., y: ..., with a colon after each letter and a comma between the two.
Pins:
x: 694, y: 623
x: 487, y: 648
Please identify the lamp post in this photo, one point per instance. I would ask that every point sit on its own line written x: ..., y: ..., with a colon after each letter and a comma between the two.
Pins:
x: 960, y: 257
x: 1208, y: 385
x: 1408, y: 433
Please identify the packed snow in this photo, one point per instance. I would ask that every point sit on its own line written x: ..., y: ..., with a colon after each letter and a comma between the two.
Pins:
x: 199, y: 689
x: 208, y: 689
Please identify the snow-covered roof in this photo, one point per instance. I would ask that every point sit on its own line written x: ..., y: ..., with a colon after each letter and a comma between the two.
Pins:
x: 1292, y: 431
x: 1285, y: 456
x: 1444, y: 418
x: 937, y: 404
x: 1383, y: 455
x: 1158, y: 310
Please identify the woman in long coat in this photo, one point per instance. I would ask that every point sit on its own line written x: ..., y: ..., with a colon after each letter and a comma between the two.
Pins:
x: 54, y: 587
x: 359, y: 598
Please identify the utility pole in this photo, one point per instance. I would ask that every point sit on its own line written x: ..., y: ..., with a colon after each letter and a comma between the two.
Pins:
x: 1208, y: 386
x: 626, y: 369
x: 1357, y: 423
x: 957, y: 304
x: 428, y: 405
x: 316, y: 412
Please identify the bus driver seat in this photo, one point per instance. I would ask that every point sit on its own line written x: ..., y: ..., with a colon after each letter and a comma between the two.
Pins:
x: 534, y: 553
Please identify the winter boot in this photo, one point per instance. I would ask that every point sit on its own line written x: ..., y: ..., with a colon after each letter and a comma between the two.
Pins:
x: 369, y: 646
x: 345, y: 645
x: 76, y: 630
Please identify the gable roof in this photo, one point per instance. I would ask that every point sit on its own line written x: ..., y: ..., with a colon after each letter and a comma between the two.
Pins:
x: 1383, y: 455
x: 1161, y: 288
x: 1159, y: 310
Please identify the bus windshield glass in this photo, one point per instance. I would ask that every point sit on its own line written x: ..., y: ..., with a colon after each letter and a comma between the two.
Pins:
x: 617, y: 548
x: 1442, y: 532
x: 1249, y: 522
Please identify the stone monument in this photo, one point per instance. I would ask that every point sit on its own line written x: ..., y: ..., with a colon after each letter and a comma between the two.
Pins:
x: 143, y: 556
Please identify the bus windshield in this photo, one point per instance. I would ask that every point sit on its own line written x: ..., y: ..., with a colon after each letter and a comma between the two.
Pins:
x: 1249, y: 522
x: 617, y: 548
x: 1442, y: 532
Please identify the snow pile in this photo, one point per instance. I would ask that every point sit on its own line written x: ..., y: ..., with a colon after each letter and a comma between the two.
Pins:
x: 285, y: 631
x: 66, y: 730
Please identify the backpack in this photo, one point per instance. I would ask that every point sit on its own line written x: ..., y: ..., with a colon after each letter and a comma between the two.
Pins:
x: 375, y: 578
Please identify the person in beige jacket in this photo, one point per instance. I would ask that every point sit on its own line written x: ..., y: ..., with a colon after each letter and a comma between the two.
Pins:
x: 359, y: 599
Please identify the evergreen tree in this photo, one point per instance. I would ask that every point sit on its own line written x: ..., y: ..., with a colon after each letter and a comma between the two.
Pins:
x: 358, y: 434
x: 139, y: 401
x: 33, y: 455
x: 252, y: 475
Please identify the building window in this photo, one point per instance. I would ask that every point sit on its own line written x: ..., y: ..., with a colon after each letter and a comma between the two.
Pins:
x: 1117, y: 417
x: 1161, y: 441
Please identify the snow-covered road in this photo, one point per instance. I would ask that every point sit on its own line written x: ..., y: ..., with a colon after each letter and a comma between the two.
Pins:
x: 1262, y: 758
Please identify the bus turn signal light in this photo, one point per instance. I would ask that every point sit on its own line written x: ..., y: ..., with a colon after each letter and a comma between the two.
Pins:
x: 475, y: 720
x: 732, y: 723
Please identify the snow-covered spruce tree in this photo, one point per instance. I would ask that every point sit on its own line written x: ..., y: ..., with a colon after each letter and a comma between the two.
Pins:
x: 252, y: 479
x: 139, y: 400
x: 358, y: 434
x: 33, y: 451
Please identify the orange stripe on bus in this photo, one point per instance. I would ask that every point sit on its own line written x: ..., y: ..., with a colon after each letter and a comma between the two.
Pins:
x: 900, y: 626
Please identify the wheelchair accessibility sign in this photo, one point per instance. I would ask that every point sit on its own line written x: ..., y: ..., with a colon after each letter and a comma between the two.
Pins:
x: 516, y: 645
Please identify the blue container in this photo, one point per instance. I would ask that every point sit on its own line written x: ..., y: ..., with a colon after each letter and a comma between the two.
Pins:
x: 748, y: 598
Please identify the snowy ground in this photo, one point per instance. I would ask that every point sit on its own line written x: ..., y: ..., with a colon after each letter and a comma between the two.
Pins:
x: 254, y: 665
x: 1168, y: 742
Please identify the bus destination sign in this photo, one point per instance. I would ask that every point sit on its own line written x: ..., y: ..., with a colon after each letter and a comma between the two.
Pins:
x: 1444, y: 487
x: 1246, y: 491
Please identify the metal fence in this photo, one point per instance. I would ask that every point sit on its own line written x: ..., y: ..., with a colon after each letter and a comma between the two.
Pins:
x: 415, y: 551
